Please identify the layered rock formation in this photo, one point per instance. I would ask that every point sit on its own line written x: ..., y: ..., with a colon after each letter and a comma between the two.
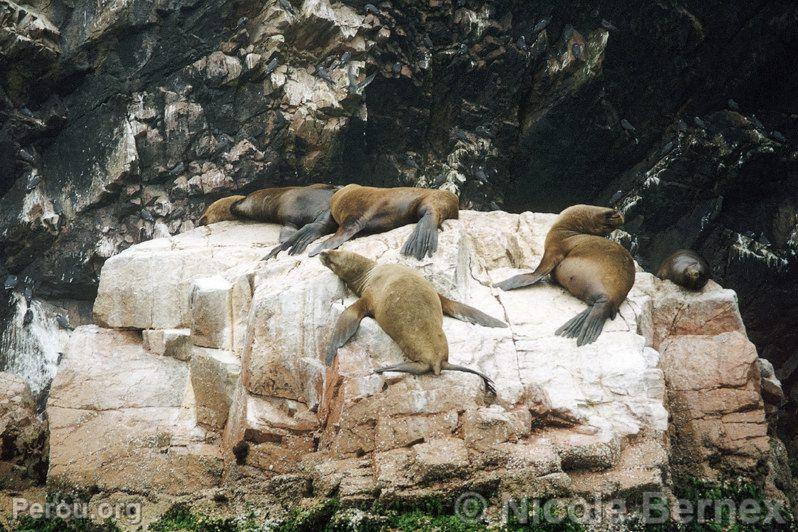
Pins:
x: 205, y: 373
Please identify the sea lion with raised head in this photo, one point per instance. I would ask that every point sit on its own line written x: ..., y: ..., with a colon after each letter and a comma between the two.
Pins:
x: 598, y: 271
x: 685, y: 268
x: 407, y: 307
x: 307, y: 207
x: 358, y: 209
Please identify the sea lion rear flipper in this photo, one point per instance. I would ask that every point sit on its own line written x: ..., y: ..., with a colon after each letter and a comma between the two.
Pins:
x: 424, y: 238
x: 346, y: 327
x: 463, y: 312
x: 571, y: 328
x: 588, y: 324
x: 490, y: 386
x: 344, y: 233
x: 286, y: 232
x: 547, y: 264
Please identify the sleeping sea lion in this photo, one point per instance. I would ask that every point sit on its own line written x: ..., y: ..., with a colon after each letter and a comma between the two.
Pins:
x: 685, y: 268
x: 357, y: 209
x: 596, y: 270
x: 407, y: 307
x: 292, y: 207
x: 219, y: 211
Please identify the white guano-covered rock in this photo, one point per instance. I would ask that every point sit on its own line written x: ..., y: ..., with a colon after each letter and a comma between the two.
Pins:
x: 565, y: 420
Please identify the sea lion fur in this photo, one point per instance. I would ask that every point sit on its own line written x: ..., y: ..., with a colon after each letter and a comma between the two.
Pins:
x: 407, y: 307
x: 598, y: 271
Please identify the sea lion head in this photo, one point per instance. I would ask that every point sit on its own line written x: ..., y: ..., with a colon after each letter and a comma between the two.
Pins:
x: 695, y: 276
x: 350, y: 267
x: 219, y: 211
x: 590, y: 219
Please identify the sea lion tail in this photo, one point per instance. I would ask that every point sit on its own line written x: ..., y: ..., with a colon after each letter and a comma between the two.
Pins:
x: 490, y: 386
x: 423, y: 240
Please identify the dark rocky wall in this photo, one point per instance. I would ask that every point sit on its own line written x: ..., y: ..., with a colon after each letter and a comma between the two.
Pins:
x: 120, y: 121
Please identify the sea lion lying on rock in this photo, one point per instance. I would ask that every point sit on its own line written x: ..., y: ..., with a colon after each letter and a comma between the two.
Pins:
x: 407, y: 307
x: 357, y: 209
x: 292, y: 207
x: 685, y: 268
x: 598, y: 271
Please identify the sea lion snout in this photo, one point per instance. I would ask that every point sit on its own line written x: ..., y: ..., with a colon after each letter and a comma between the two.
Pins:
x: 325, y: 258
x: 615, y: 219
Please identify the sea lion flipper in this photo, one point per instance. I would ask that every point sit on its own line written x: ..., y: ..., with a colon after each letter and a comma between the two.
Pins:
x: 343, y: 234
x: 464, y: 312
x: 490, y: 386
x: 424, y: 238
x: 571, y: 328
x: 547, y: 264
x: 588, y: 324
x: 346, y: 327
x: 414, y: 368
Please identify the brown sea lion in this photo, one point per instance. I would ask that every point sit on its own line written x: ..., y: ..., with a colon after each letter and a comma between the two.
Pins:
x: 685, y: 268
x: 219, y: 211
x: 598, y: 271
x: 307, y: 207
x: 357, y: 209
x: 407, y: 307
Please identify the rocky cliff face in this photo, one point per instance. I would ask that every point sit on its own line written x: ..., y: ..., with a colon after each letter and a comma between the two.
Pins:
x: 120, y: 121
x: 216, y: 389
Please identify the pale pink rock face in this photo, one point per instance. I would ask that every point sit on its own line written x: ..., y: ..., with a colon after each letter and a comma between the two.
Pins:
x: 566, y: 419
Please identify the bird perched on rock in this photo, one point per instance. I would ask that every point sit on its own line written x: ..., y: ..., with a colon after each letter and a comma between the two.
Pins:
x: 63, y: 322
x: 578, y: 51
x: 778, y: 136
x: 28, y: 295
x: 323, y: 74
x: 541, y: 25
x: 627, y: 125
x: 521, y: 43
x: 146, y: 215
x: 345, y: 58
x: 371, y: 8
x: 11, y: 282
x: 26, y: 156
x: 57, y: 207
x: 354, y: 86
x: 271, y: 66
x: 27, y: 318
x: 607, y: 25
x: 33, y: 180
x: 286, y: 5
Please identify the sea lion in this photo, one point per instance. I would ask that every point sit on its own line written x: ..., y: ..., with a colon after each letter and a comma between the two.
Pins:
x: 292, y: 207
x: 407, y: 307
x: 357, y: 209
x: 598, y: 271
x: 685, y: 268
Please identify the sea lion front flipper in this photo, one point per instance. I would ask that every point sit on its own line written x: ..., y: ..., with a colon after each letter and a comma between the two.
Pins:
x: 346, y: 327
x: 547, y: 264
x: 424, y: 238
x: 490, y: 386
x: 463, y: 312
x: 286, y: 232
x: 345, y: 232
